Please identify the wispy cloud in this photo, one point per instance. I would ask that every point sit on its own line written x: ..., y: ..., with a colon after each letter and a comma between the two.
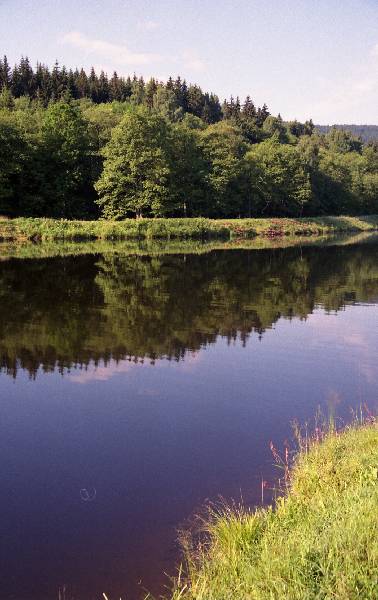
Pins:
x: 101, y: 372
x: 118, y: 54
x: 192, y: 61
x: 148, y: 25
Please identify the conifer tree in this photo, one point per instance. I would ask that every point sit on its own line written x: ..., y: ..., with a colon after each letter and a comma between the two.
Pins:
x: 184, y: 97
x: 103, y: 88
x: 196, y: 100
x: 5, y: 73
x: 93, y: 85
x: 249, y: 109
x: 82, y: 84
x: 151, y: 88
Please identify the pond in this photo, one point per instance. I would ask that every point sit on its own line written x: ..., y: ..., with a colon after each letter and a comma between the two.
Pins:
x: 135, y: 387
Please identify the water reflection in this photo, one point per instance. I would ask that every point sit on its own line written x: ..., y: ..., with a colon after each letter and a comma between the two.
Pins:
x: 64, y: 312
x: 99, y: 466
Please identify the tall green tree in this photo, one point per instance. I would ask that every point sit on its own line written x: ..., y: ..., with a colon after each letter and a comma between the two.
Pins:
x: 279, y: 180
x: 137, y: 167
x: 189, y: 183
x: 13, y: 154
x: 224, y: 148
x: 64, y: 160
x: 165, y: 103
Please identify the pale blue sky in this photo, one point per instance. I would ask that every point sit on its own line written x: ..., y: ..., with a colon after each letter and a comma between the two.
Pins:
x: 304, y: 58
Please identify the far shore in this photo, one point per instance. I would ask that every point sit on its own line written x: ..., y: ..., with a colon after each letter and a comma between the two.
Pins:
x: 42, y: 229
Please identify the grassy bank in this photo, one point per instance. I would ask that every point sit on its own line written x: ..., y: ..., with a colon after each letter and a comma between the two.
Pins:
x: 320, y: 542
x: 159, y: 247
x: 24, y: 229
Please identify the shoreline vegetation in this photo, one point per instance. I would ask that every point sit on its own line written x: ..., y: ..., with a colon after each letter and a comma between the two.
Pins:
x: 318, y: 542
x: 43, y: 230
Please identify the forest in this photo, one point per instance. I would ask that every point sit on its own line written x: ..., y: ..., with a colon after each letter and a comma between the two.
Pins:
x: 74, y: 145
x: 367, y: 133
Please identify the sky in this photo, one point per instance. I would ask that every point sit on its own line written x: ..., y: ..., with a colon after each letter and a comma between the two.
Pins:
x: 305, y: 58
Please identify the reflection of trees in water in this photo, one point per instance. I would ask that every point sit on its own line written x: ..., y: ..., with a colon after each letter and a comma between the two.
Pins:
x: 63, y: 312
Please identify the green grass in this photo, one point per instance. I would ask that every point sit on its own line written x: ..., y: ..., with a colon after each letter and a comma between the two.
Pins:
x: 23, y: 229
x: 319, y: 542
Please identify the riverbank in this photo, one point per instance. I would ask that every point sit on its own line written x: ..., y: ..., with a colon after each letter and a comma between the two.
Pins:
x: 319, y: 542
x: 34, y: 229
x: 26, y: 249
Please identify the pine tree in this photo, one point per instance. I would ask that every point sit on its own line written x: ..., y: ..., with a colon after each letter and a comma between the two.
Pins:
x: 196, y: 100
x: 71, y: 88
x: 228, y: 108
x: 216, y: 110
x: 83, y: 85
x: 5, y: 73
x: 237, y: 108
x: 103, y: 88
x: 57, y: 85
x: 43, y: 84
x: 151, y: 88
x: 137, y: 91
x: 180, y: 92
x: 206, y: 111
x: 249, y: 109
x: 114, y: 87
x: 25, y: 78
x: 184, y: 97
x: 93, y: 86
x: 262, y: 114
x: 126, y: 88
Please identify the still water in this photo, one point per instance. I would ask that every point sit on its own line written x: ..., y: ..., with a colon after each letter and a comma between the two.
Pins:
x: 134, y: 388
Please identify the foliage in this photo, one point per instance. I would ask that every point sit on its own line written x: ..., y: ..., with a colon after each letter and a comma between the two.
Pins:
x: 224, y: 149
x: 279, y: 179
x: 83, y: 146
x: 137, y: 167
x: 64, y: 153
x: 189, y: 184
x: 13, y: 154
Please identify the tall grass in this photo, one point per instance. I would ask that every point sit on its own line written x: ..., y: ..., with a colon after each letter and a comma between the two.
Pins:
x: 319, y: 542
x: 23, y: 229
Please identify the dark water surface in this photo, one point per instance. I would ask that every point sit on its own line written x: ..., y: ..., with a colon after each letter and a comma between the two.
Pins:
x: 134, y: 388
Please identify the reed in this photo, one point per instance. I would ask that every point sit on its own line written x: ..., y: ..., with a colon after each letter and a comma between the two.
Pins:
x: 41, y: 229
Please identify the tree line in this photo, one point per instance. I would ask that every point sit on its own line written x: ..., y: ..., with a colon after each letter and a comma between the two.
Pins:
x: 166, y: 149
x: 367, y: 133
